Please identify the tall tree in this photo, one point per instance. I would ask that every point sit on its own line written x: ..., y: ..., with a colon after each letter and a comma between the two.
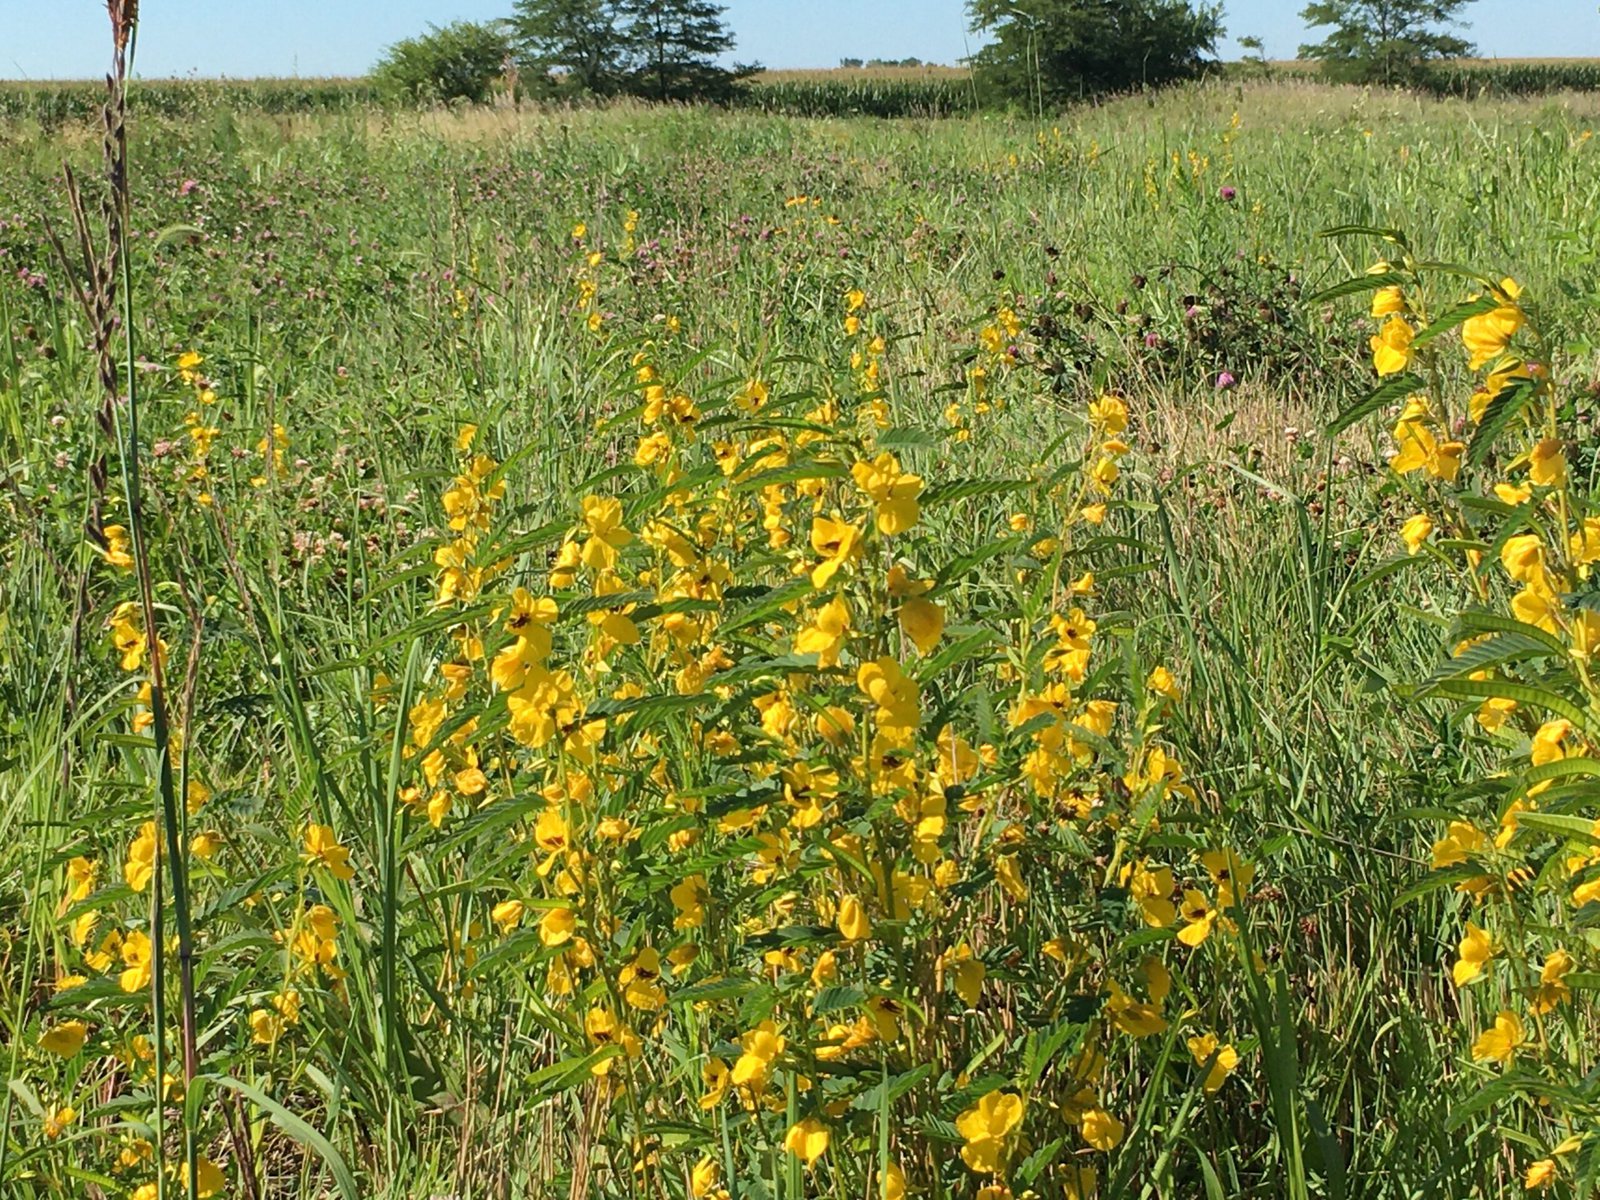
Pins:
x: 1048, y: 52
x: 1384, y: 41
x: 585, y: 42
x: 676, y: 44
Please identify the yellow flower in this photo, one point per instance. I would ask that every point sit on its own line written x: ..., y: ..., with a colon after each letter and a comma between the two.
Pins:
x: 703, y: 1178
x: 1553, y: 990
x: 985, y: 1127
x: 1010, y: 877
x: 208, y: 1178
x: 1161, y: 682
x: 895, y: 693
x: 1227, y: 1058
x: 1547, y: 463
x: 507, y: 914
x: 323, y: 847
x: 604, y: 1030
x: 1460, y: 842
x: 688, y: 896
x: 1547, y: 745
x: 894, y: 492
x: 141, y: 863
x: 923, y: 622
x: 1416, y: 531
x: 1109, y: 415
x: 1101, y: 1130
x: 1487, y: 335
x: 1473, y: 955
x: 641, y: 981
x: 1133, y: 1017
x: 196, y: 796
x: 1391, y: 346
x: 969, y: 973
x: 1501, y: 1042
x: 1415, y: 444
x: 117, y: 548
x: 65, y: 1038
x: 761, y: 1045
x: 1198, y: 916
x: 807, y: 1140
x: 717, y: 1079
x: 265, y: 1027
x: 602, y: 518
x: 837, y: 543
x: 81, y: 873
x: 894, y: 1182
x: 136, y: 959
x: 825, y: 636
x: 1540, y: 1174
x: 852, y: 920
x: 557, y: 926
x: 1151, y: 889
x: 56, y: 1121
x: 1387, y: 301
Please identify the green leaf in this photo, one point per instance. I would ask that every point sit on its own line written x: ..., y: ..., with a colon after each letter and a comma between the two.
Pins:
x: 1387, y: 568
x: 1478, y: 620
x: 1458, y: 315
x: 1507, y: 404
x: 1562, y: 768
x: 957, y: 652
x: 297, y: 1128
x: 832, y: 999
x: 1388, y: 235
x: 966, y: 489
x: 1499, y: 651
x: 1504, y: 689
x: 1359, y: 285
x: 1577, y: 829
x: 907, y: 438
x: 795, y: 473
x: 959, y: 568
x: 891, y: 1090
x: 1384, y: 394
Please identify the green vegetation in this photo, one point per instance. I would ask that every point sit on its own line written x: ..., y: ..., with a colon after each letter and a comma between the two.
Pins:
x: 461, y: 61
x: 380, y: 358
x: 1045, y: 53
x: 661, y: 50
x: 1383, y: 41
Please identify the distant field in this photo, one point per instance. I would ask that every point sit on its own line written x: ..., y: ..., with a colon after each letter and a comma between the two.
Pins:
x: 931, y: 90
x: 851, y: 74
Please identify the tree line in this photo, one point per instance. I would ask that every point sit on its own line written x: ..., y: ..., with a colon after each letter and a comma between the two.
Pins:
x: 1038, y: 54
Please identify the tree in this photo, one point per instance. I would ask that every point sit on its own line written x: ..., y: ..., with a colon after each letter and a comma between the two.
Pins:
x: 675, y: 45
x: 658, y: 49
x: 1384, y: 41
x: 1046, y: 52
x: 458, y: 62
x: 583, y: 41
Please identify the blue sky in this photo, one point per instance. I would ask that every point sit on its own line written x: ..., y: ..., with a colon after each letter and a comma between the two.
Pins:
x: 42, y: 39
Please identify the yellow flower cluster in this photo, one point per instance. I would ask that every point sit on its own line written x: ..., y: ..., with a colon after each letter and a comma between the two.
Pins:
x: 1497, y: 509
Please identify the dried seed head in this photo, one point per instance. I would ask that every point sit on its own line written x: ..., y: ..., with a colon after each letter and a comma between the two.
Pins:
x: 124, y: 16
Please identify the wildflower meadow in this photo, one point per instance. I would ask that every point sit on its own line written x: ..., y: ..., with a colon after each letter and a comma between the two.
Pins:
x: 687, y: 653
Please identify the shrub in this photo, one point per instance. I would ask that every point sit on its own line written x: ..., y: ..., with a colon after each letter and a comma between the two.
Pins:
x: 458, y: 62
